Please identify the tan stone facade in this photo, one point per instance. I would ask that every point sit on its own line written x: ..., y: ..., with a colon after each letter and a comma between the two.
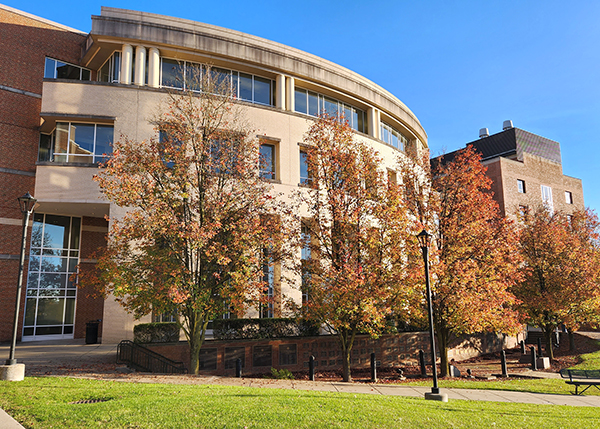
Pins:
x: 115, y: 78
x: 533, y: 171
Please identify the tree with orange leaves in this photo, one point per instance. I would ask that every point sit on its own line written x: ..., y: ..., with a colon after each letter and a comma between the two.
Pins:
x: 198, y: 218
x: 562, y: 269
x: 474, y: 257
x: 355, y: 229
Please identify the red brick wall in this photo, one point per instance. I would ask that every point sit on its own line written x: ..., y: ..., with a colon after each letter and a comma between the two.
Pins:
x: 391, y: 350
x: 90, y: 303
x: 24, y: 44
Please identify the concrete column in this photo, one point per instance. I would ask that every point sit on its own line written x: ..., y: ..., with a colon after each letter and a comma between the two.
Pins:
x: 126, y: 58
x: 373, y: 122
x: 140, y: 66
x: 290, y: 94
x: 280, y: 92
x: 153, y: 68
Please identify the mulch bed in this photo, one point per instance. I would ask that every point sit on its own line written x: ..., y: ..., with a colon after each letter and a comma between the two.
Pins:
x: 481, y: 367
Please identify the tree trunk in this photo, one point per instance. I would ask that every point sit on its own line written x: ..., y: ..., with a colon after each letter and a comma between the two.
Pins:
x: 571, y: 339
x: 195, y: 342
x: 442, y: 344
x: 346, y: 342
x: 548, y: 330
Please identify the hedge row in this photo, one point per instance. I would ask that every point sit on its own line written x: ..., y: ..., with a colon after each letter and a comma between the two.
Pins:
x: 235, y: 329
x: 160, y: 332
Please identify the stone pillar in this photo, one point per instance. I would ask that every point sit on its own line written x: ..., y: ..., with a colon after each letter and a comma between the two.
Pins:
x: 126, y: 58
x: 280, y: 92
x: 290, y: 91
x: 153, y: 68
x: 140, y: 66
x: 373, y: 122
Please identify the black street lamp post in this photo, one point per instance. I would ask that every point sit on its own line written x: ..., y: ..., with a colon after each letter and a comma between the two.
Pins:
x: 424, y: 240
x: 27, y: 203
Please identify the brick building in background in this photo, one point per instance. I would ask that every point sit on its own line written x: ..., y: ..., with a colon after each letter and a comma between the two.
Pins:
x: 526, y: 171
x: 26, y: 41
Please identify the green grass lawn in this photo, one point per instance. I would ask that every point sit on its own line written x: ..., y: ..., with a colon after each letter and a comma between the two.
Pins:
x: 47, y: 403
x: 588, y: 361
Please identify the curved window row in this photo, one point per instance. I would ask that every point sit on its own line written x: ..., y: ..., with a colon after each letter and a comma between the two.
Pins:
x: 314, y: 104
x: 244, y: 86
x: 393, y: 137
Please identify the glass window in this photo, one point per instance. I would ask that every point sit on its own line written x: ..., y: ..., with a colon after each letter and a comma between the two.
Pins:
x: 262, y: 90
x: 268, y: 277
x: 50, y: 304
x: 45, y: 149
x: 267, y: 161
x: 330, y: 106
x: 521, y: 186
x: 55, y: 69
x: 568, y: 197
x: 316, y: 104
x: 300, y: 101
x: 79, y: 143
x: 547, y: 197
x: 304, y: 176
x: 50, y: 68
x: 392, y: 136
x: 111, y: 70
x: 171, y: 72
x: 313, y: 104
x: 245, y: 87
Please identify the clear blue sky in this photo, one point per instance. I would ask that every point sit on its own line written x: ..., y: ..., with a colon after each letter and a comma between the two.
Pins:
x: 458, y: 65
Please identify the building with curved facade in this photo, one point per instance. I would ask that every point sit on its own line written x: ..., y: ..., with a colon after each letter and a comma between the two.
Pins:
x: 87, y: 90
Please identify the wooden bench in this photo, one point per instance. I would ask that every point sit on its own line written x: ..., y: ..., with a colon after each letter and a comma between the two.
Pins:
x: 581, y: 377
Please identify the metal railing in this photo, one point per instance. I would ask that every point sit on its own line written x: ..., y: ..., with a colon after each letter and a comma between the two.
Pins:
x: 143, y: 359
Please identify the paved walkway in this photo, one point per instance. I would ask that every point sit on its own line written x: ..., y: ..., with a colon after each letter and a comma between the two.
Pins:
x: 77, y: 359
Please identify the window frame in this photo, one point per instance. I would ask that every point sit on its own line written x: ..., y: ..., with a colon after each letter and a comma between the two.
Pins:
x: 273, y: 174
x: 95, y: 158
x: 521, y: 188
x: 56, y: 66
x: 568, y: 197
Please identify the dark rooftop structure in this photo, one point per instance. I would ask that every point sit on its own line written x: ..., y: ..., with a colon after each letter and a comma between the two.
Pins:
x: 512, y: 143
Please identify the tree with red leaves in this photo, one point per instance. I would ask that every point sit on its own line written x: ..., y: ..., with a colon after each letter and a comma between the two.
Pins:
x: 198, y: 218
x: 474, y: 258
x: 355, y: 229
x: 562, y: 269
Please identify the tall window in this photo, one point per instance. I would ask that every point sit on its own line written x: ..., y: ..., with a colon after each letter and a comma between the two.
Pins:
x: 77, y: 143
x: 55, y: 69
x: 51, y: 293
x: 547, y: 197
x: 268, y: 277
x: 305, y: 178
x: 267, y: 161
x: 521, y: 186
x: 305, y: 259
x: 393, y: 137
x: 311, y: 103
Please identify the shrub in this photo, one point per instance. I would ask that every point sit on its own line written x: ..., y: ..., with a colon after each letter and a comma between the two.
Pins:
x: 235, y: 329
x: 281, y: 374
x: 161, y: 332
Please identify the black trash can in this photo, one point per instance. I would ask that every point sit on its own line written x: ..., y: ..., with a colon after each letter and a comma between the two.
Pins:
x: 91, y: 332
